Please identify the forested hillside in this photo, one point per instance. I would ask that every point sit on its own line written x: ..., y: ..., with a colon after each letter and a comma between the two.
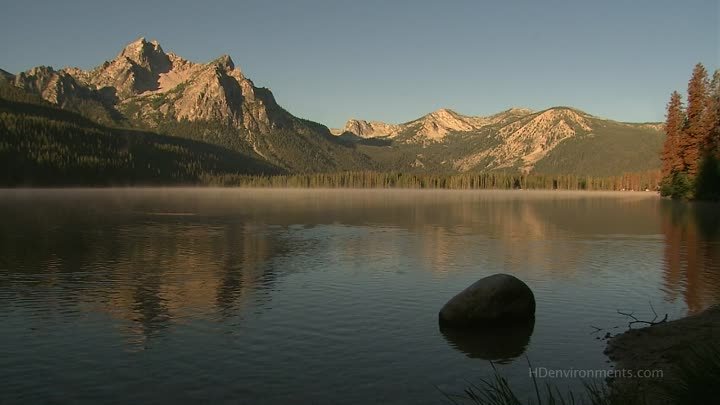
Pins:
x: 44, y: 146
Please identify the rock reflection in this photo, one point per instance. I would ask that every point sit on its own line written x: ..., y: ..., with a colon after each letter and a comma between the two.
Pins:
x: 500, y: 343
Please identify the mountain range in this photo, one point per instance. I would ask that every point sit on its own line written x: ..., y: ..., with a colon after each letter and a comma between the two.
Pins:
x: 147, y: 89
x: 556, y: 140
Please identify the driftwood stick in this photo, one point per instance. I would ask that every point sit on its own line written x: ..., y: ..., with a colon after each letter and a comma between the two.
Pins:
x: 635, y: 320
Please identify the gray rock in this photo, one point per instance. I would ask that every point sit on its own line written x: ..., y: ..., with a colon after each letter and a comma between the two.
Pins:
x: 496, y: 299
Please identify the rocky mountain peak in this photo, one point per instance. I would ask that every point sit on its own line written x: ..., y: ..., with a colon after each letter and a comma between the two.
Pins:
x: 136, y: 69
x: 145, y: 84
x: 369, y: 129
x: 156, y: 86
x: 39, y: 71
x: 565, y: 114
x: 224, y: 62
x: 133, y: 47
x: 55, y: 86
x: 518, y: 111
x: 443, y: 112
x: 441, y: 122
x: 149, y: 55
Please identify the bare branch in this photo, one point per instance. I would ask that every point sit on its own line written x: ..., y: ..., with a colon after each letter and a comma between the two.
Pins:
x: 635, y: 320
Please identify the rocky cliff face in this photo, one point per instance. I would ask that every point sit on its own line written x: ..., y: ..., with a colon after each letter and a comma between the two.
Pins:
x: 57, y: 87
x: 135, y: 70
x: 63, y: 89
x: 154, y: 85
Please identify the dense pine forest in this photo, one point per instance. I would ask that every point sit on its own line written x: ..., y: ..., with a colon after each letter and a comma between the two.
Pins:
x: 691, y: 154
x: 645, y: 181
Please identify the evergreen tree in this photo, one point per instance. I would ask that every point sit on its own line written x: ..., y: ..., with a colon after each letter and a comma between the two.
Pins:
x: 671, y: 158
x: 696, y: 128
x: 708, y: 179
x: 712, y: 140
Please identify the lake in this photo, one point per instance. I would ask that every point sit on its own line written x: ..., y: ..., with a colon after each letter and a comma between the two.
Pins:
x: 167, y: 296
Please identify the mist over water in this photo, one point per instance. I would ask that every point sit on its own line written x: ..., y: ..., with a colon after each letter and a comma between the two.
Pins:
x: 164, y: 296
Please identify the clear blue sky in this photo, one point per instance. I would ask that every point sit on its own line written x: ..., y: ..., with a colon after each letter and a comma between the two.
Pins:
x: 396, y: 60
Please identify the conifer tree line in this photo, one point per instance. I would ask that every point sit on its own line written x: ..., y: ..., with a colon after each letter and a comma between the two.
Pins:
x: 644, y: 181
x: 691, y: 153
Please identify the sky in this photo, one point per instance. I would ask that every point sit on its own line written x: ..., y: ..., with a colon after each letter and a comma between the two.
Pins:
x: 394, y: 61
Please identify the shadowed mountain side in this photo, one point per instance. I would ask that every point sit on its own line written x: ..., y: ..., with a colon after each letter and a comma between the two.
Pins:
x: 42, y: 145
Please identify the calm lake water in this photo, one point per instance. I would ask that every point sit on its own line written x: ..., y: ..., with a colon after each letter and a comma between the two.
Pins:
x: 167, y: 296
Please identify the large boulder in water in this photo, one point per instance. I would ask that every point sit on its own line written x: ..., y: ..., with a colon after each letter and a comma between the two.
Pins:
x: 493, y: 300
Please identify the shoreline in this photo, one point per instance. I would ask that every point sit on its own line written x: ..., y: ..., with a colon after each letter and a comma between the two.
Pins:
x: 215, y: 187
x: 662, y: 346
